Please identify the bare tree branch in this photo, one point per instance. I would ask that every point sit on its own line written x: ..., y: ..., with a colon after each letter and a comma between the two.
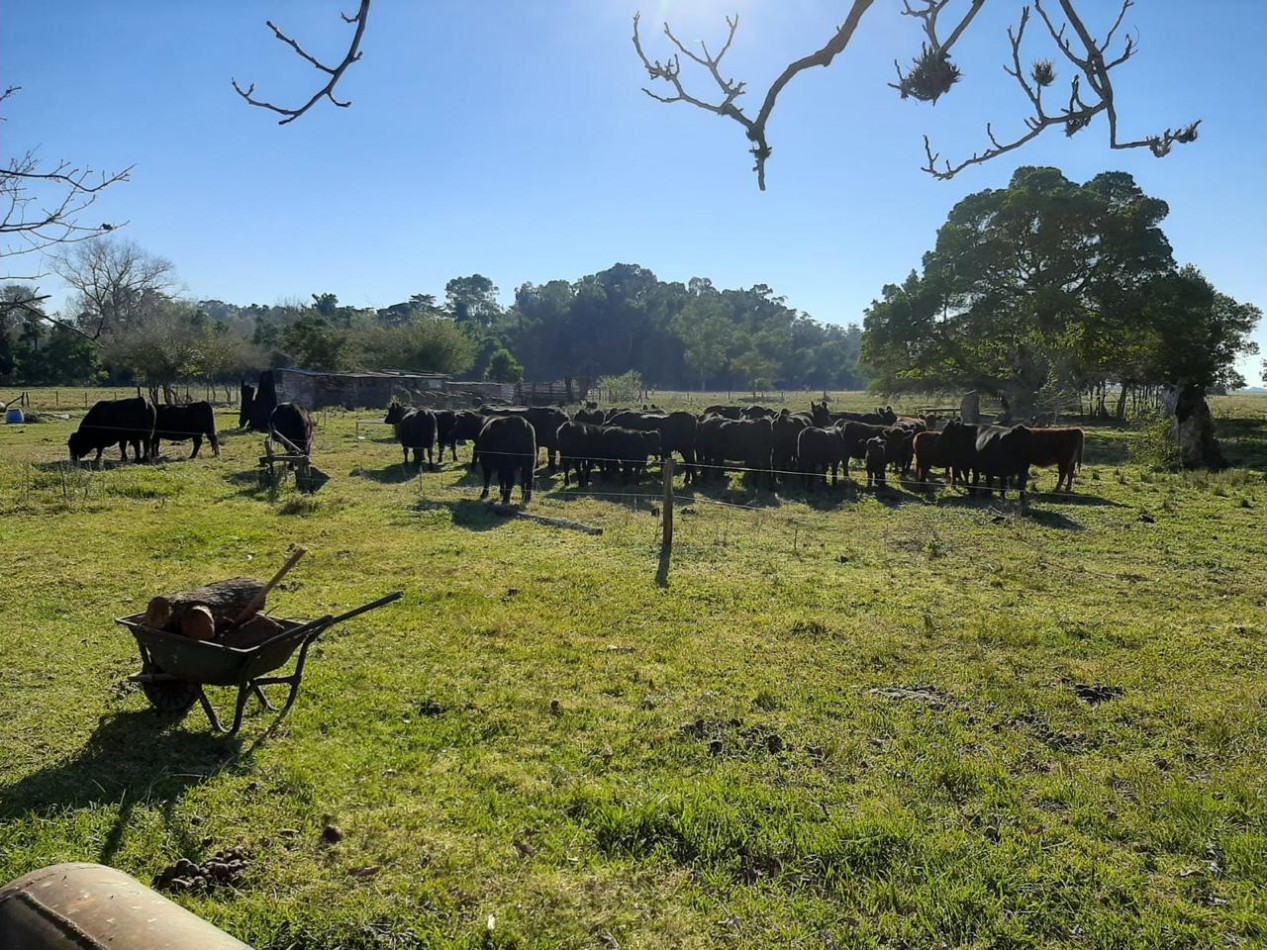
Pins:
x: 931, y: 75
x: 360, y: 18
x: 1087, y: 57
x: 40, y: 208
x: 754, y: 128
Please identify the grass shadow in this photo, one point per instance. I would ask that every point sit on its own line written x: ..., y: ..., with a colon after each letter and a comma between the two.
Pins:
x: 130, y: 758
x: 396, y: 474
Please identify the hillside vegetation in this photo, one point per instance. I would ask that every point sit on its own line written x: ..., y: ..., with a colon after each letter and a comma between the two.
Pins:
x: 852, y: 719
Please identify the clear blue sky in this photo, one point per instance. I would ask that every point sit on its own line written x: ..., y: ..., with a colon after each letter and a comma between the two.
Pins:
x: 511, y: 138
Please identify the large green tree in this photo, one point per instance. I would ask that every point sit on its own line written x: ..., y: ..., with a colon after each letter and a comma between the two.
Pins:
x: 1050, y: 283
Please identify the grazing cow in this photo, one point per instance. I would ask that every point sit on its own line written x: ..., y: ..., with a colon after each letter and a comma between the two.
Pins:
x: 415, y: 429
x: 726, y: 412
x: 293, y: 423
x: 818, y: 449
x: 877, y: 460
x: 623, y: 452
x: 1003, y: 452
x: 1059, y: 447
x: 120, y: 422
x: 182, y: 423
x: 507, y: 445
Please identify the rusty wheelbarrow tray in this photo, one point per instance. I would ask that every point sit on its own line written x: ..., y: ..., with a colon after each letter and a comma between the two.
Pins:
x: 175, y: 668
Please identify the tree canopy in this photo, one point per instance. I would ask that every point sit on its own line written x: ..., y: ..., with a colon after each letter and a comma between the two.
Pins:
x: 1048, y: 283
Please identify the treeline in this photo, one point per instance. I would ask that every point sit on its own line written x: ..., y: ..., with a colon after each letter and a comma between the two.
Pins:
x: 620, y: 320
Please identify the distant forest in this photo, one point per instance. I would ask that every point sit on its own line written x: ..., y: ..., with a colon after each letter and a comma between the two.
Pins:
x: 622, y: 319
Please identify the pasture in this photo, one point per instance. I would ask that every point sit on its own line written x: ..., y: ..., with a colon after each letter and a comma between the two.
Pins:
x: 846, y: 719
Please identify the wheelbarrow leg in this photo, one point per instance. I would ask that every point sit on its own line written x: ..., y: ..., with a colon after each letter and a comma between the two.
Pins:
x: 259, y: 694
x: 210, y: 711
x: 244, y: 693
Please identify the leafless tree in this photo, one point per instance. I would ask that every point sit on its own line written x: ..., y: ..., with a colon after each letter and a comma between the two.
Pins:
x: 41, y: 208
x: 116, y: 282
x: 932, y: 74
x: 360, y: 18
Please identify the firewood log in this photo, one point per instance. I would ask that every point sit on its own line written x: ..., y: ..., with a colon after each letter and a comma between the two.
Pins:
x: 198, y: 623
x: 225, y: 600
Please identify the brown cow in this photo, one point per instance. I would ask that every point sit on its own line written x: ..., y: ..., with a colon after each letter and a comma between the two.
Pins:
x: 1059, y: 447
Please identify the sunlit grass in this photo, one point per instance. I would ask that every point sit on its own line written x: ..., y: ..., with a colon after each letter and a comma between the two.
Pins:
x: 847, y: 720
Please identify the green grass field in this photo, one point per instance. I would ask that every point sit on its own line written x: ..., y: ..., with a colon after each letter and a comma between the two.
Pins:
x: 845, y: 720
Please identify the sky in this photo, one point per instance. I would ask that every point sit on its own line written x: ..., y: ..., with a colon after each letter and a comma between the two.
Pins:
x: 512, y: 138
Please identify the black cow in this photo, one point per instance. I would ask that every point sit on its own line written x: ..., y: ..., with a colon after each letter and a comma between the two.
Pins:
x: 292, y: 423
x: 958, y: 446
x: 788, y: 427
x: 182, y: 423
x: 625, y: 451
x: 589, y: 414
x: 120, y: 422
x: 1004, y: 452
x: 508, y: 445
x: 676, y: 430
x: 545, y: 422
x: 258, y: 404
x: 877, y: 460
x: 415, y: 429
x: 446, y: 419
x: 818, y: 449
x: 747, y: 441
x: 580, y: 448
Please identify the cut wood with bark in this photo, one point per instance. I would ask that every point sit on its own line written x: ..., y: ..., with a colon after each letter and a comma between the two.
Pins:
x: 224, y: 600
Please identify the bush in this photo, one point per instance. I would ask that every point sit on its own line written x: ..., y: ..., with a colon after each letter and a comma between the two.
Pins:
x: 1153, y: 446
x: 626, y: 387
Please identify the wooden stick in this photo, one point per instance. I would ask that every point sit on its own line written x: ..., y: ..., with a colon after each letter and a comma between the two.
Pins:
x: 666, y: 540
x: 257, y: 602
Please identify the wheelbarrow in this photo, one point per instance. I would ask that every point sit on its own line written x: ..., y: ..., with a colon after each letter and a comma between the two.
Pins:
x: 175, y: 668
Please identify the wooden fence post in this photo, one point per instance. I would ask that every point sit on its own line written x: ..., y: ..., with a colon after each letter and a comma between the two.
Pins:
x: 666, y: 542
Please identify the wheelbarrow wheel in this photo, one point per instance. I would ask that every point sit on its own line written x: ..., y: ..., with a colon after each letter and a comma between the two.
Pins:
x: 170, y: 696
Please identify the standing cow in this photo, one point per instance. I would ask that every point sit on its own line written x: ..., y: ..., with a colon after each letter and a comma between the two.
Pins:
x: 183, y: 423
x: 415, y: 429
x: 507, y: 445
x: 121, y: 422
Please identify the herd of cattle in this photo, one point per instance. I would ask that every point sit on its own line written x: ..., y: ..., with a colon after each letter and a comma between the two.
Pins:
x: 618, y: 443
x: 769, y: 444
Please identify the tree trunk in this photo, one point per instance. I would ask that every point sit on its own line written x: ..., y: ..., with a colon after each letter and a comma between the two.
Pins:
x: 1121, y: 404
x: 226, y: 600
x: 1193, y: 427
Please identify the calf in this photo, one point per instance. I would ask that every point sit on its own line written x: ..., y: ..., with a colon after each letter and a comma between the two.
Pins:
x: 877, y: 460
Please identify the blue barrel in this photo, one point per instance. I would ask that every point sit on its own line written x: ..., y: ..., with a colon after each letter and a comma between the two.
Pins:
x: 14, y: 416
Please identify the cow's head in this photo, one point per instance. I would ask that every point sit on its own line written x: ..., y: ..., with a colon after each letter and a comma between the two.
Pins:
x: 78, y: 445
x: 395, y: 412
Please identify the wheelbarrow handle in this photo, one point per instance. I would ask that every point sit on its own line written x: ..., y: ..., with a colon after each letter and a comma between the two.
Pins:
x: 381, y: 602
